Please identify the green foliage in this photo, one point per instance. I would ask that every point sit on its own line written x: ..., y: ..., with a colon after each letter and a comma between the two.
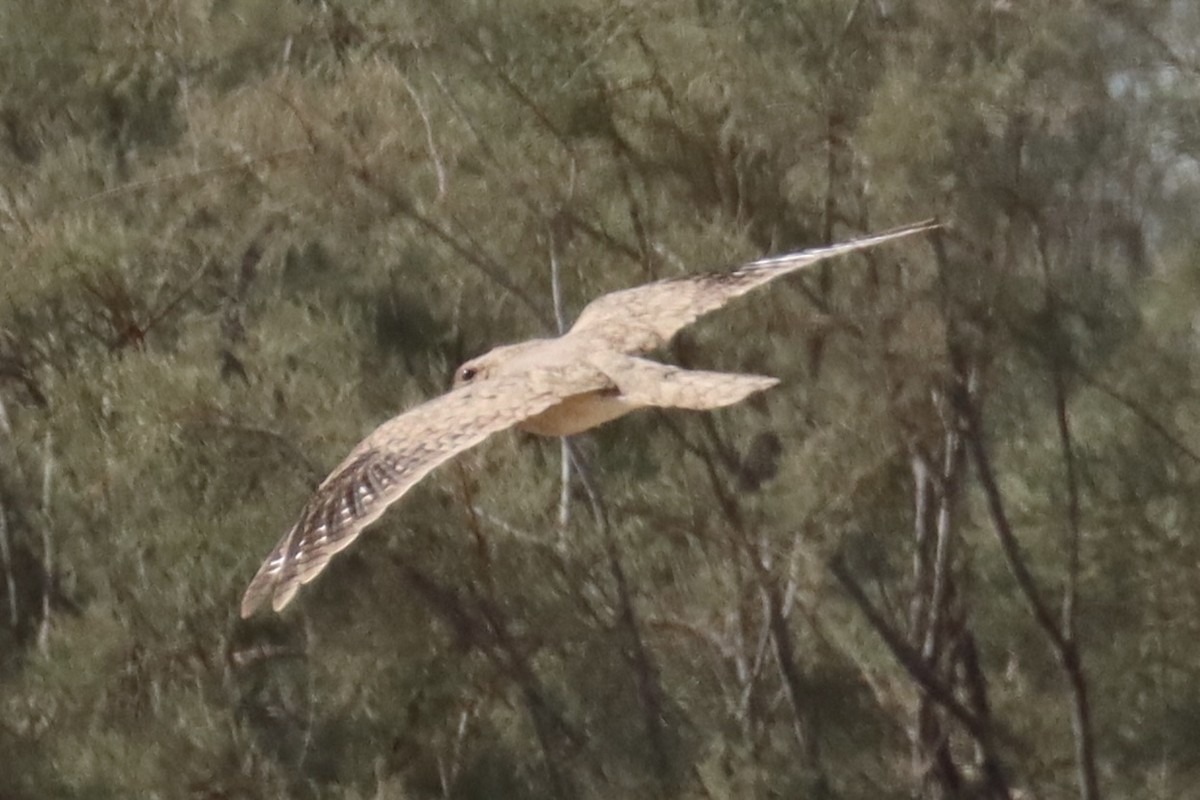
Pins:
x: 236, y: 235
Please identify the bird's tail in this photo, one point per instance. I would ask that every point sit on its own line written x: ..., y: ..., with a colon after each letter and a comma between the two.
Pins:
x: 648, y: 383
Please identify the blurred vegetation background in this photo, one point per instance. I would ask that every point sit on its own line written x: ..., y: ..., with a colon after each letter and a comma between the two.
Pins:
x: 953, y: 555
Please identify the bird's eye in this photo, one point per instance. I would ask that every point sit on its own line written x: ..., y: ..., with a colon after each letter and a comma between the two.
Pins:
x: 467, y: 373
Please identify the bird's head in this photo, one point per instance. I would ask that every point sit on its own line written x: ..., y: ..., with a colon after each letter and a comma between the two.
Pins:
x: 505, y: 360
x: 471, y: 371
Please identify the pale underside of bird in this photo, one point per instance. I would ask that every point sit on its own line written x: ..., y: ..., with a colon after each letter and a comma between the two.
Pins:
x: 552, y: 387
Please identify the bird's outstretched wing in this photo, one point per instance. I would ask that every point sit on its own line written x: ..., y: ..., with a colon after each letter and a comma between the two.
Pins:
x: 644, y: 318
x: 393, y: 458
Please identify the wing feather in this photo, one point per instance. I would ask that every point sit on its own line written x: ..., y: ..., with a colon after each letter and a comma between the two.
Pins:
x: 393, y: 458
x: 645, y: 318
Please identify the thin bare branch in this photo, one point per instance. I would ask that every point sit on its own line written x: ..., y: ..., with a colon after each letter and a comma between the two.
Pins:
x: 48, y: 580
x: 1064, y: 647
x: 646, y: 674
x: 430, y: 142
x: 910, y: 659
x: 282, y: 155
x: 10, y: 581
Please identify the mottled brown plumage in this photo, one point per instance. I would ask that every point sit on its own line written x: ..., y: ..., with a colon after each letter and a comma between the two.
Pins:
x: 552, y: 387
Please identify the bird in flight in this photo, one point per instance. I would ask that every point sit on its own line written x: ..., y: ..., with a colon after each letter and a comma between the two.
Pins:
x: 552, y: 387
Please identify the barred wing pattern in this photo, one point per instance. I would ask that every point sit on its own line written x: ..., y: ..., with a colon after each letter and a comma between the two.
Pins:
x: 393, y: 459
x: 645, y: 318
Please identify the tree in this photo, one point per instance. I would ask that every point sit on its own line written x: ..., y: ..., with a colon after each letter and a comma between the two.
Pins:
x: 950, y: 557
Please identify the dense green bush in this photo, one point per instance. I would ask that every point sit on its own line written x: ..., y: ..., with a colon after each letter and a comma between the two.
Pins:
x: 234, y: 236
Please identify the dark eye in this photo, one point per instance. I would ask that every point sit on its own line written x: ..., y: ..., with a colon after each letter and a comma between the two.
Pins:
x: 467, y: 373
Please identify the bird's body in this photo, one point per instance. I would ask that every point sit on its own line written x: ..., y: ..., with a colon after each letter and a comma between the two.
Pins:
x: 551, y: 387
x: 578, y: 413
